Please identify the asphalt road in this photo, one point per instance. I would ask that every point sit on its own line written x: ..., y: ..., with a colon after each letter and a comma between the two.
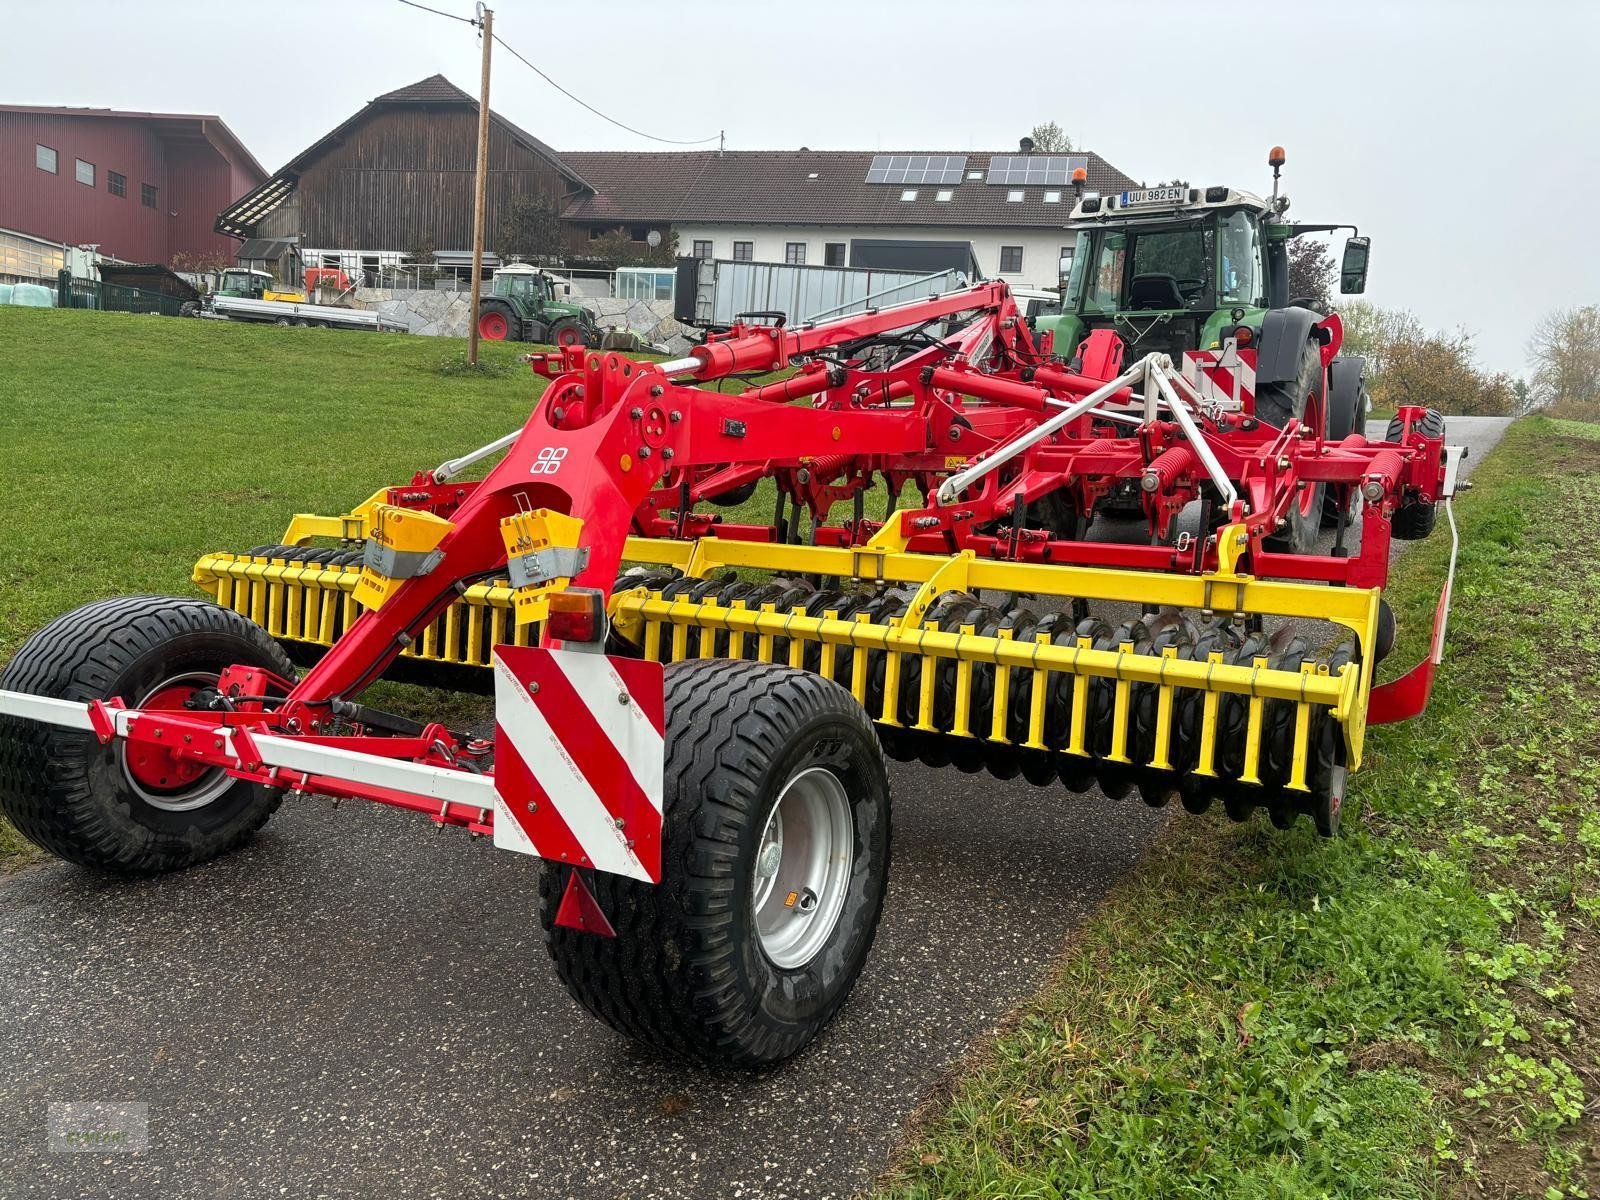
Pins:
x: 353, y: 1006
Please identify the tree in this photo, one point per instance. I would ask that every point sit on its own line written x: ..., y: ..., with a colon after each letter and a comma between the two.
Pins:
x: 1050, y: 138
x: 203, y: 262
x: 1409, y: 364
x: 618, y: 250
x: 1564, y: 353
x: 1311, y: 270
x: 421, y: 258
x: 530, y: 228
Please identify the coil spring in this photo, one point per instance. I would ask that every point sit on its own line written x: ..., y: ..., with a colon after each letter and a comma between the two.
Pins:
x: 1237, y: 642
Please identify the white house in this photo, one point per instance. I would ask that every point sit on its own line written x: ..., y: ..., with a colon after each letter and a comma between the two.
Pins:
x: 1001, y: 215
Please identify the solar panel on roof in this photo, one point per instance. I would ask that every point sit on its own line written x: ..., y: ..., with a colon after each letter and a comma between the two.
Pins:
x: 1015, y: 170
x: 916, y: 168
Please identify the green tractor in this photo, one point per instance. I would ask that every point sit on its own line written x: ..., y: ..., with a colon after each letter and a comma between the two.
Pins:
x: 522, y: 307
x: 1186, y: 270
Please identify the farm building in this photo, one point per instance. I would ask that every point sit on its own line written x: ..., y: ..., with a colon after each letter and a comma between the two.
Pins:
x: 144, y: 187
x: 999, y: 214
x: 397, y: 174
x: 400, y: 173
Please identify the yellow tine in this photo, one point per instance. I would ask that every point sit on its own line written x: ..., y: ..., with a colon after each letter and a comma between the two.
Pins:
x: 963, y: 718
x: 452, y: 632
x: 891, y: 689
x: 797, y: 648
x: 930, y: 665
x: 1252, y: 735
x: 1119, y: 712
x: 1162, y: 759
x: 858, y: 668
x: 1037, y: 696
x: 829, y: 651
x: 736, y: 636
x: 475, y: 636
x: 1002, y: 695
x: 680, y: 642
x: 1077, y: 743
x: 764, y: 639
x: 1208, y: 725
x: 1302, y: 737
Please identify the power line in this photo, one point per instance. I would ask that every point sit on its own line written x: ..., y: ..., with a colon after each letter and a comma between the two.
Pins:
x: 576, y: 100
x: 439, y: 13
x: 620, y: 125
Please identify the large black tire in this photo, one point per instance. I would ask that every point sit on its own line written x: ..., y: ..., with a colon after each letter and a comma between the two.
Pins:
x: 1413, y: 522
x: 77, y: 798
x: 567, y: 332
x: 1276, y: 404
x: 688, y: 972
x: 1348, y: 406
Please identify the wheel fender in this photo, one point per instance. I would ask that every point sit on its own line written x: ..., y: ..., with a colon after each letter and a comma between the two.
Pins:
x: 1284, y: 332
x: 1344, y: 396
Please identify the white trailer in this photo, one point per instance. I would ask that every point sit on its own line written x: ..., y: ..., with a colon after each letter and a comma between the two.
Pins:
x: 286, y: 312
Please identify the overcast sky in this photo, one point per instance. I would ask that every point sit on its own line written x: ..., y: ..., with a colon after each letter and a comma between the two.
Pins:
x: 1463, y: 137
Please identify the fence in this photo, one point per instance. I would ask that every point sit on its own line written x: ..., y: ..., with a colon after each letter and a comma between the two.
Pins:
x: 72, y: 292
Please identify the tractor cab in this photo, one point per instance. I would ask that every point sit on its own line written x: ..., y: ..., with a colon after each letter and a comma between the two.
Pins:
x: 1175, y: 268
x: 244, y: 282
x: 521, y: 282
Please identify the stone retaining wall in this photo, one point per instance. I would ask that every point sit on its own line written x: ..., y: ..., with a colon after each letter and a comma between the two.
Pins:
x: 444, y: 314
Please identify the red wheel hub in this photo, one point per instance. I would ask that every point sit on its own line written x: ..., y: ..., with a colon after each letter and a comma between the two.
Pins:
x: 155, y: 768
x: 568, y: 337
x: 493, y: 325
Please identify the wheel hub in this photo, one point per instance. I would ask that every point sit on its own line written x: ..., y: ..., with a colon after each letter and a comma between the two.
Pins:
x: 802, y: 868
x: 161, y: 777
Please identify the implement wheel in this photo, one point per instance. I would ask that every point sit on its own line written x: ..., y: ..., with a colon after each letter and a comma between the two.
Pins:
x: 123, y: 807
x: 775, y: 864
x: 1303, y: 398
x: 1413, y: 522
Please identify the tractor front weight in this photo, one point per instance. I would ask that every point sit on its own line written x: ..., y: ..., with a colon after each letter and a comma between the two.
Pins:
x: 693, y: 693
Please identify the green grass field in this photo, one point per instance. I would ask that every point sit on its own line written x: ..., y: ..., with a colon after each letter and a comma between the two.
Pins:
x: 1408, y: 1011
x: 134, y: 444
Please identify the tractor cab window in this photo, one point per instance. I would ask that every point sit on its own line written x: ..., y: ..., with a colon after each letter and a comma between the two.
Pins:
x: 1239, y: 265
x: 513, y: 284
x: 1105, y: 281
x: 1170, y: 267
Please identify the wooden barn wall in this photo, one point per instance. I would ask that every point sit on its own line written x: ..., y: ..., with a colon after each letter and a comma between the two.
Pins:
x: 407, y: 174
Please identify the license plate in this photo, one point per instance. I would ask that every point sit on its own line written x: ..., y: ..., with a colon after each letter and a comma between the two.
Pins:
x: 1159, y: 195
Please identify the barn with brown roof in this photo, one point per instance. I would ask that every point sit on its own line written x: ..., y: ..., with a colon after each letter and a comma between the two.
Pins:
x: 400, y: 172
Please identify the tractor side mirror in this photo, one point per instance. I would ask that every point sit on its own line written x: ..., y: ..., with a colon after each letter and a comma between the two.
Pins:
x: 1353, y: 270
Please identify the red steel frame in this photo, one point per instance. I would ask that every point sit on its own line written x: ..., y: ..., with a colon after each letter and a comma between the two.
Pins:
x: 629, y: 450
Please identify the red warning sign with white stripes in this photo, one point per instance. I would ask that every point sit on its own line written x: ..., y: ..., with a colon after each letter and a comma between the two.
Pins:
x: 578, y: 758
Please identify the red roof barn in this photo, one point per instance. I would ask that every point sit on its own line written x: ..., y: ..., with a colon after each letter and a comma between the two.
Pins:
x: 144, y: 186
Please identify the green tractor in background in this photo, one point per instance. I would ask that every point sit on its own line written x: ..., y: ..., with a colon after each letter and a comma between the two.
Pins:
x: 1178, y: 269
x: 522, y: 307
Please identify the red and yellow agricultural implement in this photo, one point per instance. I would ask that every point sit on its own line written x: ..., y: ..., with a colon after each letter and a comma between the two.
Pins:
x: 691, y: 709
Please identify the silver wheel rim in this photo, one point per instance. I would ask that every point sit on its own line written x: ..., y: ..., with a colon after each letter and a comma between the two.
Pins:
x: 802, y: 868
x: 205, y: 790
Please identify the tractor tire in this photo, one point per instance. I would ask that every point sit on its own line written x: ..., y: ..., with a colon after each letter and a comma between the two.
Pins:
x: 102, y: 806
x: 189, y: 308
x: 1413, y: 522
x: 497, y: 323
x: 1348, y: 406
x: 720, y: 962
x: 1277, y: 404
x: 566, y: 333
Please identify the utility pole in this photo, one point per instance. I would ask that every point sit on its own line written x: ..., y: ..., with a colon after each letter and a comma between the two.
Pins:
x: 481, y: 196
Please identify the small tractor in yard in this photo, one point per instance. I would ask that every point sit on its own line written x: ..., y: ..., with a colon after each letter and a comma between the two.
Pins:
x: 692, y: 707
x: 522, y: 307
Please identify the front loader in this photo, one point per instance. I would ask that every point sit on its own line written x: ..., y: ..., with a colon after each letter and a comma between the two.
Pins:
x: 693, y: 705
